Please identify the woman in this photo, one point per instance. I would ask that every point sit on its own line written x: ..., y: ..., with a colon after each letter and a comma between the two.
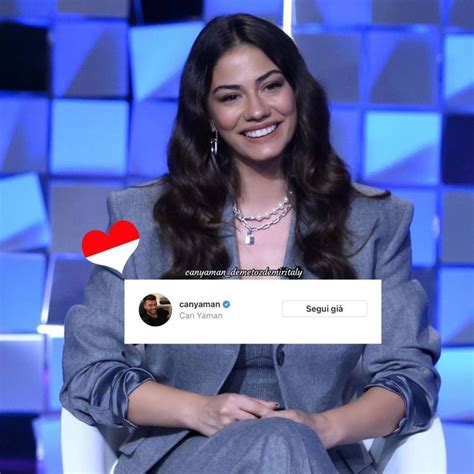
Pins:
x: 254, y: 182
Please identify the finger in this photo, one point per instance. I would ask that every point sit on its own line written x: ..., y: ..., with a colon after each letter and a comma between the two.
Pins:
x: 244, y: 415
x: 274, y: 414
x: 268, y: 403
x: 257, y: 408
x: 251, y: 405
x: 280, y: 414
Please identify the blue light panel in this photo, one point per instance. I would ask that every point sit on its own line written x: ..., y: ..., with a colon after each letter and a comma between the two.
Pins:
x: 90, y: 59
x: 89, y: 137
x: 456, y: 305
x: 55, y: 372
x: 22, y: 362
x: 26, y: 8
x: 459, y: 70
x: 424, y: 228
x: 21, y: 291
x: 459, y: 446
x: 22, y: 214
x: 458, y: 227
x: 345, y: 136
x: 332, y: 12
x: 152, y: 123
x: 69, y: 276
x: 455, y: 397
x: 97, y: 8
x: 24, y: 137
x: 402, y: 67
x: 158, y: 54
x: 48, y: 440
x: 268, y: 9
x: 76, y: 208
x: 405, y: 11
x: 333, y: 59
x: 402, y: 147
x: 461, y: 14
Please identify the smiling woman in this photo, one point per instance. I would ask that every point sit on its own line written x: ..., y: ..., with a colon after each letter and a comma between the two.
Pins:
x: 254, y: 184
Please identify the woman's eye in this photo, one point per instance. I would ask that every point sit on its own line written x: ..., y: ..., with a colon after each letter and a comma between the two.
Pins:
x: 229, y: 98
x: 274, y: 85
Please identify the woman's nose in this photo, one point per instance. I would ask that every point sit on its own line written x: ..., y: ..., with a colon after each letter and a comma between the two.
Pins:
x: 257, y: 108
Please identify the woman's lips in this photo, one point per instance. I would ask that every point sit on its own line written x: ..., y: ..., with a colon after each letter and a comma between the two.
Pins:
x: 261, y: 133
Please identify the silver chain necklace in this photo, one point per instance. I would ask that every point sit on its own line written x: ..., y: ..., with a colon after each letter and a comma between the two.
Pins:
x: 279, y: 211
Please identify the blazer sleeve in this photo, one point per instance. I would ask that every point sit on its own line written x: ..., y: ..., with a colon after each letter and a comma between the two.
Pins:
x: 404, y: 362
x: 99, y: 370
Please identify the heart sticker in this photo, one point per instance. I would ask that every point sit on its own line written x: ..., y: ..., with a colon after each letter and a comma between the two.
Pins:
x: 112, y: 250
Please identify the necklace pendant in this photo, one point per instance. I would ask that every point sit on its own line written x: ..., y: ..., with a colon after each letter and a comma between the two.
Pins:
x: 249, y: 238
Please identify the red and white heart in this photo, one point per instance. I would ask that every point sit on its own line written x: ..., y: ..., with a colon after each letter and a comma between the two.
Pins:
x: 112, y: 250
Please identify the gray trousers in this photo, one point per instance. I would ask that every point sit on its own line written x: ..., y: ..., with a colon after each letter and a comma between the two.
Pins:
x: 269, y: 445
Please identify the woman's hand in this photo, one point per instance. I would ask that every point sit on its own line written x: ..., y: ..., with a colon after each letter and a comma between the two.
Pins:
x: 318, y: 422
x: 213, y: 413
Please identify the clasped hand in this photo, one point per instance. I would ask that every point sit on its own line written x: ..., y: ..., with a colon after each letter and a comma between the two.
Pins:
x: 217, y: 412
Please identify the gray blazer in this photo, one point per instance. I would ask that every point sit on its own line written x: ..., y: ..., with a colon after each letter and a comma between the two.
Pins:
x: 100, y: 371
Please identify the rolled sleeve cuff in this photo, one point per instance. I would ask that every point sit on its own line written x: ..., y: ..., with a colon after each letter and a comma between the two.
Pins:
x: 131, y: 380
x: 416, y: 413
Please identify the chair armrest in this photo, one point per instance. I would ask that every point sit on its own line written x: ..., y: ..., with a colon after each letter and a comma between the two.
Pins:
x: 85, y: 448
x: 423, y: 452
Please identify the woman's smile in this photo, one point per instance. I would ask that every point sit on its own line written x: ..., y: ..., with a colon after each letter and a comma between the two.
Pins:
x: 261, y: 132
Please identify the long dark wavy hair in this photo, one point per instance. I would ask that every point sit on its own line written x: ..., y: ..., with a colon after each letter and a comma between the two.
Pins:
x: 196, y: 189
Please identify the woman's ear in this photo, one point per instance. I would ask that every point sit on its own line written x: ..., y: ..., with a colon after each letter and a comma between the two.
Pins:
x: 213, y: 127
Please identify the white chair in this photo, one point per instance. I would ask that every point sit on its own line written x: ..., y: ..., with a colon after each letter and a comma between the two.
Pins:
x: 85, y: 449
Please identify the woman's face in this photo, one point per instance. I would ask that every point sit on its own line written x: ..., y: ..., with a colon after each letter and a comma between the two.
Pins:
x: 252, y: 105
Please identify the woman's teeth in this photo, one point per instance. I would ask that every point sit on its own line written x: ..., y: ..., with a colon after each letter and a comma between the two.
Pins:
x: 261, y: 133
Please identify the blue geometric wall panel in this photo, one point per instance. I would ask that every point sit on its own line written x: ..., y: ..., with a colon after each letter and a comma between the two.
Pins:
x: 24, y: 56
x: 424, y: 228
x: 68, y: 276
x: 345, y: 136
x: 459, y: 70
x: 459, y: 439
x: 333, y: 59
x: 456, y: 305
x: 268, y: 9
x: 152, y: 122
x: 458, y: 227
x: 55, y: 372
x: 458, y: 149
x: 90, y: 59
x: 24, y: 137
x: 97, y: 8
x: 392, y: 12
x: 331, y: 12
x: 461, y: 13
x: 402, y: 147
x: 22, y: 214
x: 414, y: 54
x: 75, y: 209
x: 455, y: 398
x: 21, y: 291
x: 89, y: 137
x: 30, y: 9
x: 22, y: 362
x: 48, y: 441
x: 158, y: 54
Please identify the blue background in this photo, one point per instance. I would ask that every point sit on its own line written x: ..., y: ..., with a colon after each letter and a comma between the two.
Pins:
x: 400, y: 78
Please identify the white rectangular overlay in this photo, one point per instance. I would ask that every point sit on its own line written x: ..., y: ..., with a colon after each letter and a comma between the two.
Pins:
x: 258, y: 312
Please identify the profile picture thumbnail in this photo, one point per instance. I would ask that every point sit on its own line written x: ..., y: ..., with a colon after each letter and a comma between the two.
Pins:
x: 155, y: 309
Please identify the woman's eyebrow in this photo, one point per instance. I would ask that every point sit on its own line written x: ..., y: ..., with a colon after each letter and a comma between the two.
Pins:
x: 258, y: 80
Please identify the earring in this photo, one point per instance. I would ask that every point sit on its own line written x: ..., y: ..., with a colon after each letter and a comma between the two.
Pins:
x: 214, y: 143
